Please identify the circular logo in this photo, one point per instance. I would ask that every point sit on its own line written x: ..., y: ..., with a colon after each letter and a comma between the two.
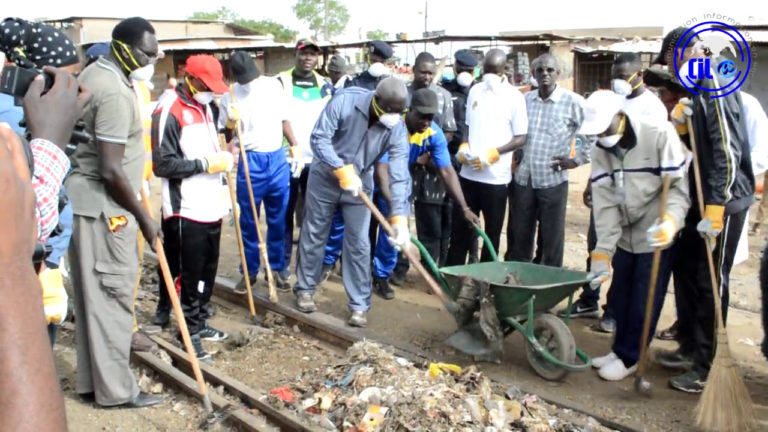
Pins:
x: 700, y: 74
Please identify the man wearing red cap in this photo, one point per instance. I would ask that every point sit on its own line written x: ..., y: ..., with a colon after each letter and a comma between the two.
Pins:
x: 186, y: 156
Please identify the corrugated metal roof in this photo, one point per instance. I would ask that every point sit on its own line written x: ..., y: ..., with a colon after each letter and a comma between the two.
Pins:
x: 635, y: 46
x: 219, y: 44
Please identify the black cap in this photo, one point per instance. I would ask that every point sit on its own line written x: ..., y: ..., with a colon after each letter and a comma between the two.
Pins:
x: 670, y: 42
x: 465, y: 58
x: 337, y: 64
x: 306, y: 43
x: 243, y: 67
x: 380, y: 48
x: 424, y: 101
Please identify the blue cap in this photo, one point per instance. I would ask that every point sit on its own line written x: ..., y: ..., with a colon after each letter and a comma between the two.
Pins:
x: 465, y: 58
x: 97, y: 50
x: 380, y: 48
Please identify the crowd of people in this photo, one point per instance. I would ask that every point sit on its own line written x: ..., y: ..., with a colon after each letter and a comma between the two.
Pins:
x: 460, y: 153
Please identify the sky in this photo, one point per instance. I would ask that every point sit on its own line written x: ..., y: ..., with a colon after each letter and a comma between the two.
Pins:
x: 458, y: 17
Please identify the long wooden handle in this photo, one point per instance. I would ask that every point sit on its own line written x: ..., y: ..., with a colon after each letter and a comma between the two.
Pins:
x: 181, y: 322
x: 414, y: 259
x: 666, y: 181
x: 262, y: 246
x: 240, y: 246
x: 707, y: 241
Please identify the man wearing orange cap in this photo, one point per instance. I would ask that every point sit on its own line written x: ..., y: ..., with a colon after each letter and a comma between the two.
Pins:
x: 186, y: 156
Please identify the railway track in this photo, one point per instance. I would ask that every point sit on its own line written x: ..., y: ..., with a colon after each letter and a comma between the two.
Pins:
x: 325, y: 328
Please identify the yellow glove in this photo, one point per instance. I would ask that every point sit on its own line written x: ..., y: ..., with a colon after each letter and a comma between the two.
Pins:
x: 54, y: 296
x: 600, y: 265
x: 464, y: 156
x: 348, y: 179
x: 218, y: 162
x: 482, y: 162
x: 233, y: 116
x: 294, y: 152
x: 680, y: 114
x: 661, y: 233
x: 712, y: 223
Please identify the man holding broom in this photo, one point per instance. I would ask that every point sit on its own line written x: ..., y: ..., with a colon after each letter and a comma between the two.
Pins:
x: 186, y: 156
x: 722, y: 151
x: 629, y: 162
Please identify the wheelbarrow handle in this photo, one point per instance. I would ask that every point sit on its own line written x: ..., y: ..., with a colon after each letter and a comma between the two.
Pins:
x: 431, y: 264
x: 434, y: 287
x: 486, y: 242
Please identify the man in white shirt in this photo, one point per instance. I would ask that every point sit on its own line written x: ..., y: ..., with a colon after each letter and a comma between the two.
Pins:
x: 498, y: 124
x: 757, y: 128
x: 258, y: 105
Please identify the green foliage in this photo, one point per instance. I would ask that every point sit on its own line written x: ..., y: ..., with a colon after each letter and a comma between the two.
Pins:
x: 326, y: 17
x: 266, y: 26
x: 377, y: 34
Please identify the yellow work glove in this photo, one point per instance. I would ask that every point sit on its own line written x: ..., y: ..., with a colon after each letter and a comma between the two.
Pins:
x: 218, y: 162
x: 54, y: 296
x: 233, y: 116
x: 712, y: 223
x: 348, y: 179
x: 464, y: 156
x: 482, y: 162
x: 661, y: 233
x: 600, y: 269
x: 402, y: 235
x: 680, y: 114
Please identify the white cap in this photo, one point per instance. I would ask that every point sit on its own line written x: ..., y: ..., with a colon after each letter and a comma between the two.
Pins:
x: 599, y: 110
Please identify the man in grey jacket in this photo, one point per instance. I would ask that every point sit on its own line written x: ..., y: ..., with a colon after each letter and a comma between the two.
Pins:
x: 630, y: 158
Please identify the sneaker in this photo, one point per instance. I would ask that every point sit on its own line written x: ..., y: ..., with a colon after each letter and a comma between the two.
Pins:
x: 397, y: 279
x: 616, y: 371
x: 161, y: 318
x: 674, y: 360
x: 358, y: 319
x: 240, y: 288
x: 281, y: 280
x: 209, y: 310
x: 326, y: 273
x: 211, y: 334
x: 689, y: 382
x: 197, y: 345
x: 305, y: 303
x: 607, y: 325
x: 599, y: 362
x: 582, y: 309
x: 382, y: 288
x: 668, y: 334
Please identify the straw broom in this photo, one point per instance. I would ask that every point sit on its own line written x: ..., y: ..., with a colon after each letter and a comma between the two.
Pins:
x: 725, y: 404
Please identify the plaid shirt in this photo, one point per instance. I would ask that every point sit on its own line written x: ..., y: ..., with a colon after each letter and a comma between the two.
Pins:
x: 552, y: 125
x: 51, y: 165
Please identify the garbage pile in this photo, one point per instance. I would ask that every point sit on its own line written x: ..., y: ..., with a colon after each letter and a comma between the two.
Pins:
x: 373, y: 390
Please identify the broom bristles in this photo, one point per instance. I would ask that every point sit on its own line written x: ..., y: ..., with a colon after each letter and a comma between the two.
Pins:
x: 725, y: 404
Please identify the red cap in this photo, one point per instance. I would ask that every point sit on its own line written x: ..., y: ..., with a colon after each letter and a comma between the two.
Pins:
x: 208, y: 70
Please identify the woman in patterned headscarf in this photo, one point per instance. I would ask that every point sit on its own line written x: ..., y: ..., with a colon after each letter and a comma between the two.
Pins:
x: 34, y: 45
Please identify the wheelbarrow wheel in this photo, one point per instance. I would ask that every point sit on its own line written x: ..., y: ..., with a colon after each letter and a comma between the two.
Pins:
x: 554, y: 337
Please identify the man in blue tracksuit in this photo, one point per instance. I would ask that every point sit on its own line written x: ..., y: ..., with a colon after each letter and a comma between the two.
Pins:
x: 263, y: 126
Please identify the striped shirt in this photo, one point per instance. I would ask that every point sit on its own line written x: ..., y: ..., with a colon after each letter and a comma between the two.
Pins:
x: 51, y: 165
x: 552, y: 125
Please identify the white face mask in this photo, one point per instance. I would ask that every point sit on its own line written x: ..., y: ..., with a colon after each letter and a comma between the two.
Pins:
x: 377, y: 70
x: 465, y: 79
x: 143, y: 73
x: 389, y: 120
x: 621, y: 87
x: 204, y: 98
x: 609, y: 141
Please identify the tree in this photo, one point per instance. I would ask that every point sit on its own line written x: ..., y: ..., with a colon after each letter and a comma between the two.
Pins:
x: 377, y: 34
x: 267, y: 26
x: 326, y: 17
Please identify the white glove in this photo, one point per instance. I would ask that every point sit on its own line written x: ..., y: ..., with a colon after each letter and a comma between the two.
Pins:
x: 402, y: 235
x: 348, y: 179
x: 600, y: 269
x: 296, y: 166
x: 661, y: 233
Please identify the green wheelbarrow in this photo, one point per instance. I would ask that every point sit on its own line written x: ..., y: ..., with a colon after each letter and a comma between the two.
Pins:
x: 523, y: 294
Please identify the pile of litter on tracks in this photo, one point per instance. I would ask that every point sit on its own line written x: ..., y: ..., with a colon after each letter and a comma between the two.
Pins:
x: 373, y: 390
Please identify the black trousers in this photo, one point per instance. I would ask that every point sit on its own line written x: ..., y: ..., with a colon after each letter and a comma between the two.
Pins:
x: 433, y: 228
x: 545, y: 207
x: 192, y: 250
x: 486, y: 200
x: 693, y: 290
x: 298, y: 188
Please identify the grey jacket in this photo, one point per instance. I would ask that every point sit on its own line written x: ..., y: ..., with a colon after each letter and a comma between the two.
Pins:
x: 626, y: 185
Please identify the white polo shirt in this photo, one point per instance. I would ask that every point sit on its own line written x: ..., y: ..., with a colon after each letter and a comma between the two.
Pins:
x: 263, y: 107
x: 494, y: 118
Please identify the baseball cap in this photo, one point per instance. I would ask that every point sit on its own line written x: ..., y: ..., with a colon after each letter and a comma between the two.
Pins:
x: 337, y: 64
x: 424, y: 101
x: 306, y: 43
x: 243, y: 67
x: 599, y: 110
x: 208, y: 70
